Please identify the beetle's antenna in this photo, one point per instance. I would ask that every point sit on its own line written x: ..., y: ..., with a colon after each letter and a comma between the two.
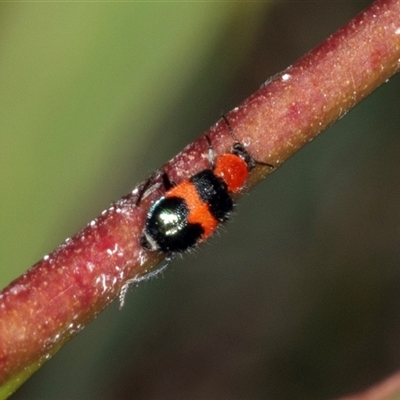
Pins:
x: 230, y: 128
x: 239, y: 149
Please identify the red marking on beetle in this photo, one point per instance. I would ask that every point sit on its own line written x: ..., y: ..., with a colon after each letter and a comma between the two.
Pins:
x: 199, y: 211
x: 233, y: 170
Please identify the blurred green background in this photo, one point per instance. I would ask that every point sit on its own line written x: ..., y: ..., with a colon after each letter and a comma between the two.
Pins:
x: 299, y: 297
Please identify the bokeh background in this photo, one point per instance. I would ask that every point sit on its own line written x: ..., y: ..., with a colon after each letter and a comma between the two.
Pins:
x: 298, y: 297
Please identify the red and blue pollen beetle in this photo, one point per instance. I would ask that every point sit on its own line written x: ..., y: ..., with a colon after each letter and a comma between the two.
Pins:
x: 190, y: 212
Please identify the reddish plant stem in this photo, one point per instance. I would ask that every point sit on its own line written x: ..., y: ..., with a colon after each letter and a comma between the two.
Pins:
x: 389, y: 389
x: 45, y: 307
